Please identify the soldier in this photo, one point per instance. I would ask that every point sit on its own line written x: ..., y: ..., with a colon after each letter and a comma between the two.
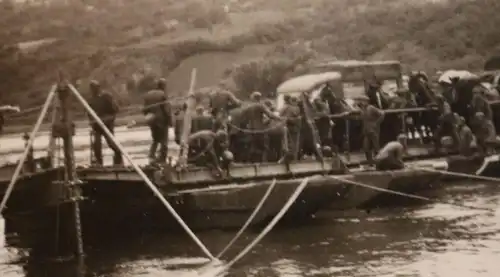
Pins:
x: 390, y: 156
x: 371, y: 119
x: 323, y: 122
x: 256, y: 114
x: 211, y: 147
x: 375, y: 97
x: 447, y: 123
x: 479, y: 103
x: 466, y: 137
x: 157, y: 108
x: 106, y: 108
x: 485, y: 133
x: 256, y: 97
x: 221, y: 102
x: 291, y: 113
x: 201, y: 121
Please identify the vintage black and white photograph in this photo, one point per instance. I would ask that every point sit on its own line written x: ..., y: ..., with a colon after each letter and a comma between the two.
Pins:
x: 249, y: 138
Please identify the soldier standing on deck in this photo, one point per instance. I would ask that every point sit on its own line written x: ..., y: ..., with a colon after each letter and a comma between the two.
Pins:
x: 291, y: 113
x: 485, y: 133
x: 157, y: 110
x: 466, y: 137
x: 479, y: 103
x: 446, y: 123
x: 371, y: 118
x: 221, y: 102
x: 323, y: 122
x: 106, y: 108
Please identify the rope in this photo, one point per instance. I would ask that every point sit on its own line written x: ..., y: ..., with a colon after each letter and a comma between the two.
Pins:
x: 264, y: 232
x: 253, y: 131
x: 408, y: 195
x: 140, y: 172
x: 249, y: 220
x: 31, y: 140
x: 464, y: 175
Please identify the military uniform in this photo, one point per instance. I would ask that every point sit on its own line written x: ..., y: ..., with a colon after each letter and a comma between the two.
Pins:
x: 466, y: 138
x: 323, y: 122
x: 447, y: 123
x: 221, y: 102
x: 210, y: 146
x: 156, y: 105
x: 371, y: 118
x: 390, y: 156
x: 106, y: 108
x: 291, y: 113
x: 479, y: 103
x: 485, y: 133
x: 255, y: 114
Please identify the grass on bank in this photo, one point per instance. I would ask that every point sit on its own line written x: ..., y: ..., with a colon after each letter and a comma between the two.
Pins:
x: 122, y: 42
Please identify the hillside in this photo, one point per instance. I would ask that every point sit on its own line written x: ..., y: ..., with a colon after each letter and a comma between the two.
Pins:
x: 256, y: 43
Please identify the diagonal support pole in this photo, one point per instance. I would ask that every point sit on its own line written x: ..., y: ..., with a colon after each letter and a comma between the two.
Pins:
x: 31, y: 140
x: 140, y: 171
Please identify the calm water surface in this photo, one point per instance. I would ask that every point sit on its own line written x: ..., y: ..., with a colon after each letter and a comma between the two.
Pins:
x: 428, y: 240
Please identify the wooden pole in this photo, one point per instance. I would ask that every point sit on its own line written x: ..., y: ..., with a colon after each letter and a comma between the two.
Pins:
x: 186, y: 126
x: 52, y: 138
x: 141, y: 173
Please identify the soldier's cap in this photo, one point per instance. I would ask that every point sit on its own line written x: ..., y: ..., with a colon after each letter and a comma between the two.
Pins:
x: 479, y: 114
x: 220, y: 134
x: 161, y: 81
x: 255, y: 94
x: 94, y: 84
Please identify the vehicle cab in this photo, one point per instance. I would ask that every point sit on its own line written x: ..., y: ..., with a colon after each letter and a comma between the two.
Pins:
x: 311, y: 84
x: 355, y: 73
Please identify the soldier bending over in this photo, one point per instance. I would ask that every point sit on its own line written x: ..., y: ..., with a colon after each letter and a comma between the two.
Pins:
x: 211, y: 148
x: 390, y: 156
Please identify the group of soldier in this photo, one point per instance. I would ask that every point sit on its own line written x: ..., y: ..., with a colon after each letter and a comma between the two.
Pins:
x: 232, y: 129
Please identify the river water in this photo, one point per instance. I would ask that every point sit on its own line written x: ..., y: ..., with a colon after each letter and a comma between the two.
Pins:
x: 424, y: 240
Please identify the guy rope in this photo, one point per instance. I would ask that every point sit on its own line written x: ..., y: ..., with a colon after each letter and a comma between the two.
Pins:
x: 207, y: 272
x: 250, y: 218
x: 140, y: 172
x: 408, y: 195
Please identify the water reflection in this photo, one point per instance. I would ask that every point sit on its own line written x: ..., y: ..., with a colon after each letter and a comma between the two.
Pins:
x: 430, y: 240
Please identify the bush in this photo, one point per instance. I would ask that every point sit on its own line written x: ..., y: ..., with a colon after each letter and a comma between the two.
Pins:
x: 266, y: 74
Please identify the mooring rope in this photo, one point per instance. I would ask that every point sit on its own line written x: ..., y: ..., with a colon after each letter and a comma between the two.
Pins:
x: 463, y: 175
x: 249, y: 220
x: 31, y: 140
x: 267, y: 229
x: 408, y: 195
x: 140, y: 172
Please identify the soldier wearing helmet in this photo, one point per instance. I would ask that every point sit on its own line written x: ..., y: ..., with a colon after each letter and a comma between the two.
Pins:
x: 221, y: 102
x: 485, y: 133
x: 447, y: 123
x: 210, y: 147
x: 106, y: 108
x: 157, y: 107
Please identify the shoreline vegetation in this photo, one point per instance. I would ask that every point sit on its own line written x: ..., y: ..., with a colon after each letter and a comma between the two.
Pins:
x: 250, y: 45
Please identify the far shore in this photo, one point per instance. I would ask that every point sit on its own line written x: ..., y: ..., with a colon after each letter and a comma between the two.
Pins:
x: 80, y: 123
